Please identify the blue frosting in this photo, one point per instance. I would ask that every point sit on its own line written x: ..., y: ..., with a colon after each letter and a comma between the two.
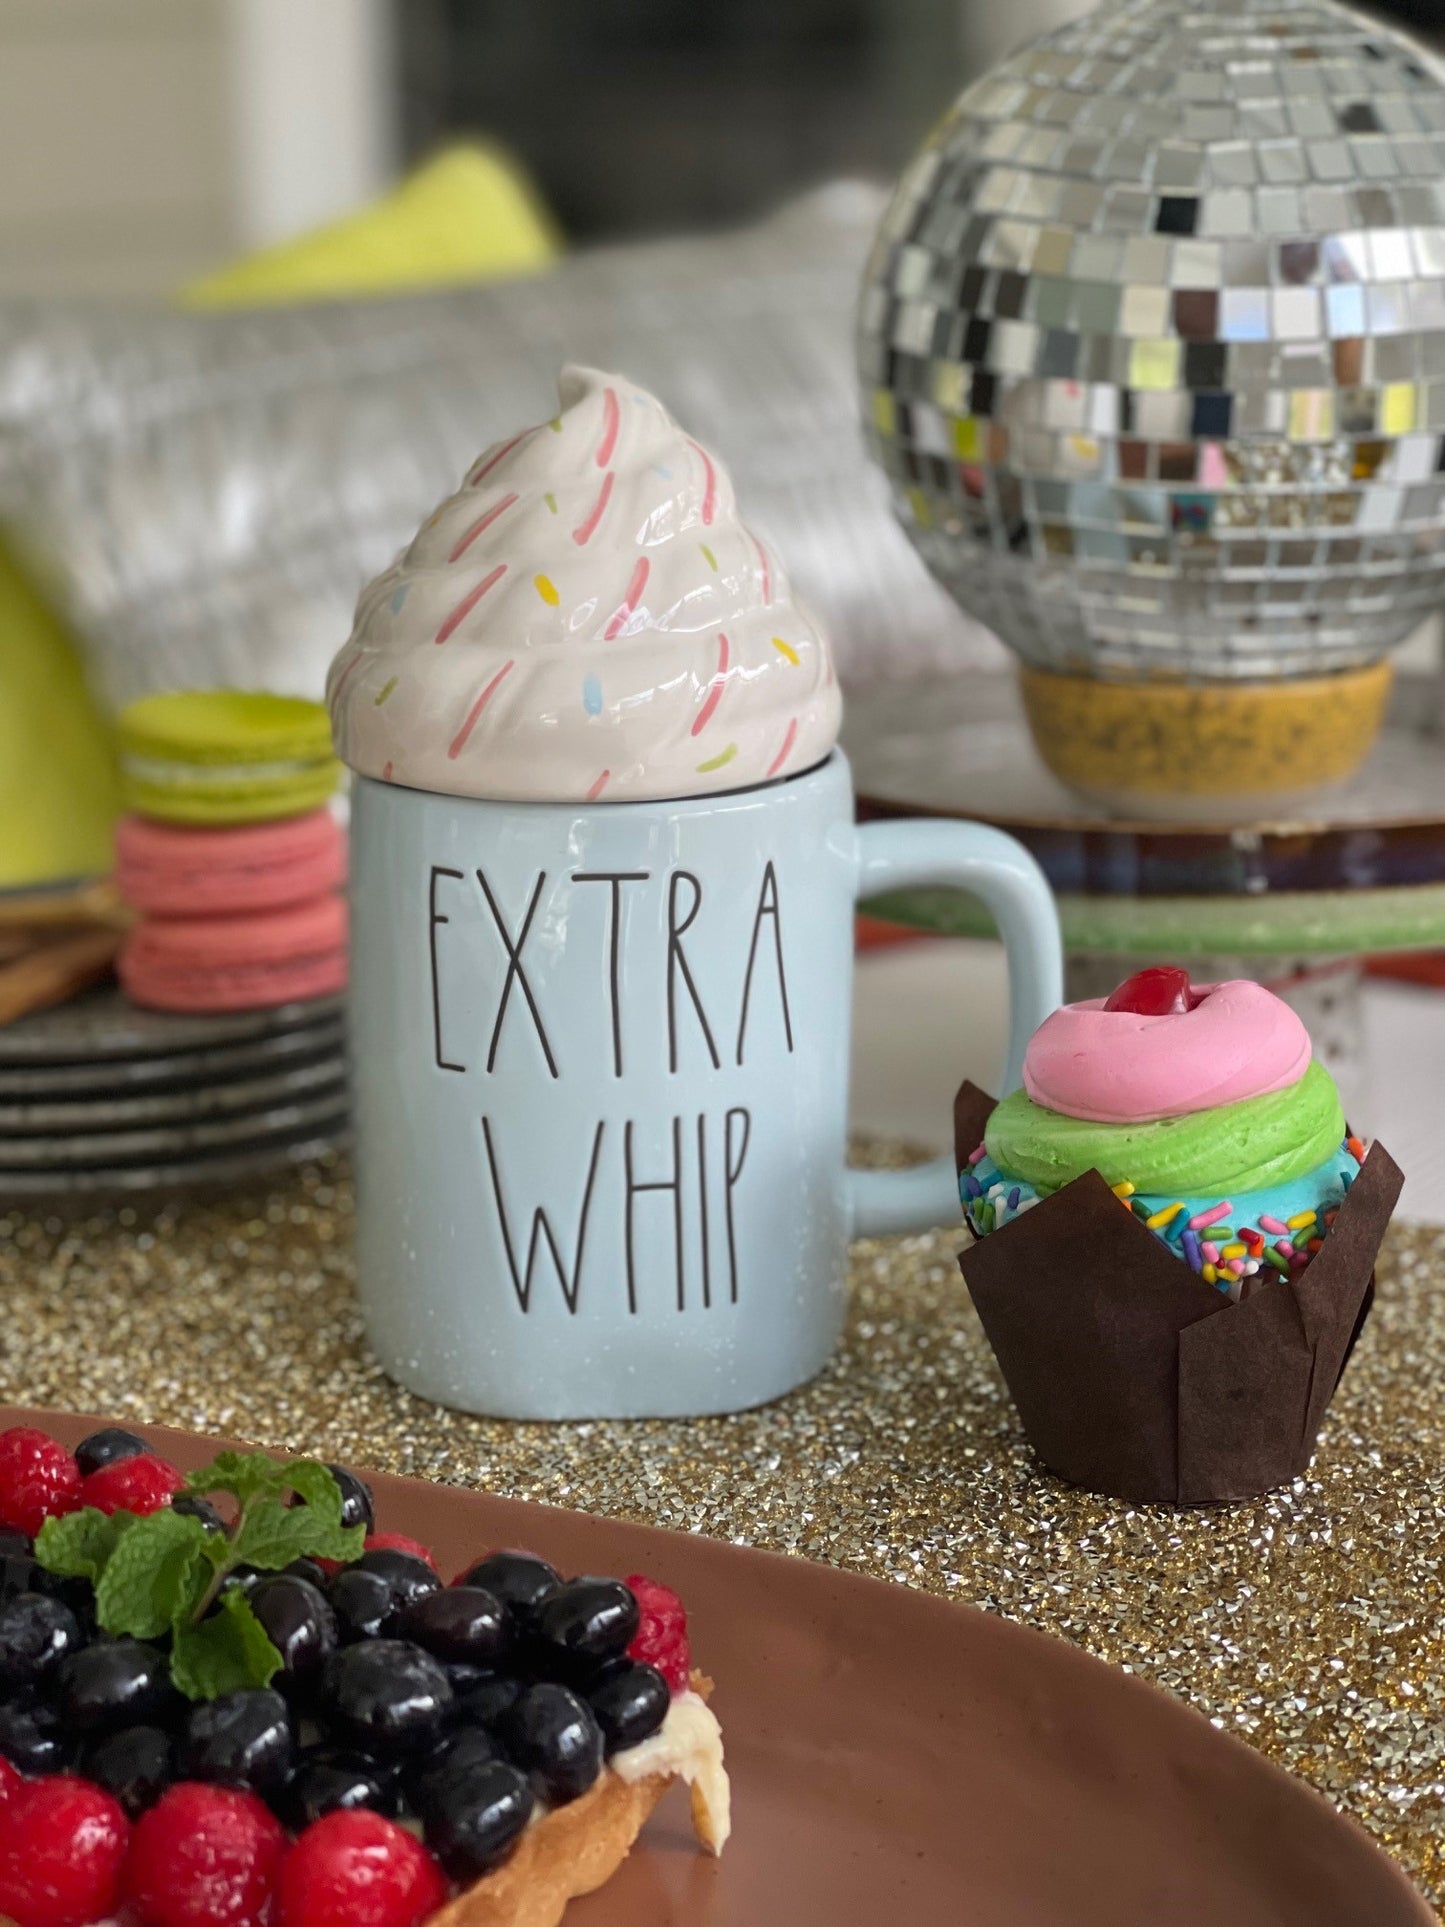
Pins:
x: 992, y: 1198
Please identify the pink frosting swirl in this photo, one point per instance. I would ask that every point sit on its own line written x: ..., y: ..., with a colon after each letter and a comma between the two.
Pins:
x: 1117, y: 1067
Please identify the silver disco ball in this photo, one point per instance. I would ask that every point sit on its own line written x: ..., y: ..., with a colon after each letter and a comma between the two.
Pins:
x: 1153, y: 342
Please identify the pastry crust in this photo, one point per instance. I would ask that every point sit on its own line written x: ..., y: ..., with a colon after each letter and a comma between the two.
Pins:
x: 570, y: 1851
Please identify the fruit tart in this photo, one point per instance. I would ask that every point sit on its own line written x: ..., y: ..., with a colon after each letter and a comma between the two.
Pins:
x: 227, y: 1700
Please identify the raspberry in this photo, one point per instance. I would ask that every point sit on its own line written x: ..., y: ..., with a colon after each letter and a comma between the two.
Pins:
x: 62, y: 1847
x: 10, y: 1779
x: 355, y: 1869
x: 398, y: 1542
x: 661, y: 1639
x: 140, y: 1484
x: 39, y: 1479
x: 205, y: 1856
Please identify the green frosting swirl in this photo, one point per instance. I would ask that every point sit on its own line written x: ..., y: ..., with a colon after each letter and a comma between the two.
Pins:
x: 1248, y: 1146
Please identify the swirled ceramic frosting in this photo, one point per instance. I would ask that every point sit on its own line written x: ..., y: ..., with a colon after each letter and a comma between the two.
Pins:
x: 586, y: 619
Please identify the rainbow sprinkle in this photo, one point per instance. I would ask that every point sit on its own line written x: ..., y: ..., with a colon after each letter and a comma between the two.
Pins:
x: 786, y: 650
x: 459, y: 741
x: 386, y: 690
x: 789, y: 738
x: 1234, y: 1263
x: 1202, y: 1220
x: 547, y: 589
x: 718, y: 762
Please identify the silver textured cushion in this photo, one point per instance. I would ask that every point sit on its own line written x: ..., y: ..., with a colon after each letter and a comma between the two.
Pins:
x: 205, y: 495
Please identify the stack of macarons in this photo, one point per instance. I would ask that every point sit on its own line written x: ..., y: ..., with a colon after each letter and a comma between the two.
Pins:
x: 229, y: 852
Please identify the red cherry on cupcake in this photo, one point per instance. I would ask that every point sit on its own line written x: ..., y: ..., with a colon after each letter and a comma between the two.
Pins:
x: 1163, y: 990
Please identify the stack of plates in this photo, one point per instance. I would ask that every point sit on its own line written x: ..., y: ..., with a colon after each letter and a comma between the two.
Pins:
x: 97, y: 1095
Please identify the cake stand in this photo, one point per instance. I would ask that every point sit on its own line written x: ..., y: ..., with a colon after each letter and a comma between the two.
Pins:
x: 1296, y: 902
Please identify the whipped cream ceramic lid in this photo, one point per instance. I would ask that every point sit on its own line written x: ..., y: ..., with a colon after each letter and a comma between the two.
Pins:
x: 586, y: 619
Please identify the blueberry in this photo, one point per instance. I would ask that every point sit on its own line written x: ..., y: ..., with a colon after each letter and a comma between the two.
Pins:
x: 76, y: 1593
x: 476, y: 1818
x: 36, y: 1634
x: 34, y: 1738
x: 242, y: 1739
x: 357, y: 1505
x: 15, y: 1543
x: 116, y: 1683
x: 457, y: 1623
x: 486, y: 1701
x: 553, y: 1736
x: 19, y: 1573
x: 328, y: 1777
x: 310, y: 1570
x: 388, y: 1695
x: 299, y: 1623
x: 245, y: 1577
x: 408, y: 1578
x: 465, y: 1676
x: 458, y: 1753
x: 630, y: 1702
x: 518, y: 1579
x: 362, y: 1603
x: 107, y: 1447
x: 192, y: 1506
x: 133, y: 1764
x: 588, y: 1619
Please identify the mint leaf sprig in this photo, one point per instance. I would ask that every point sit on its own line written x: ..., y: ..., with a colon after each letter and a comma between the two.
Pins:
x: 167, y: 1572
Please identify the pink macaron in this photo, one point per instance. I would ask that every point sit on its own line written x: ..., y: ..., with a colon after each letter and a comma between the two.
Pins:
x: 169, y: 870
x: 237, y: 963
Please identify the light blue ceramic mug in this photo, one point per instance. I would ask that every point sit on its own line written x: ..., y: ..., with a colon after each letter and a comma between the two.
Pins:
x: 601, y: 1064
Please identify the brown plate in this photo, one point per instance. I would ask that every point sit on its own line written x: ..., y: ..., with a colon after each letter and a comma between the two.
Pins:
x: 897, y: 1759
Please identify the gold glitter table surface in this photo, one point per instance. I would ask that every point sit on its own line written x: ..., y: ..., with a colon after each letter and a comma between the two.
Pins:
x: 1312, y: 1622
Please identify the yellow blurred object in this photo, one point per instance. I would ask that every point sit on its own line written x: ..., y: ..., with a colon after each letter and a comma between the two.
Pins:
x: 1150, y: 748
x: 469, y: 214
x: 58, y: 792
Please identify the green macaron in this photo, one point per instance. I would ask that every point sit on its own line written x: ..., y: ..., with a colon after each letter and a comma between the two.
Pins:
x: 225, y: 756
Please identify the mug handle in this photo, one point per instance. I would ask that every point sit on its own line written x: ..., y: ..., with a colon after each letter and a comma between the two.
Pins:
x: 990, y: 865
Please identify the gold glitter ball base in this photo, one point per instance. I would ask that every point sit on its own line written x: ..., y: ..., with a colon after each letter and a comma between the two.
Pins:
x: 1311, y: 1623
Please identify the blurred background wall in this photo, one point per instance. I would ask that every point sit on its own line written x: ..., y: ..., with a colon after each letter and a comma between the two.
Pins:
x: 144, y: 141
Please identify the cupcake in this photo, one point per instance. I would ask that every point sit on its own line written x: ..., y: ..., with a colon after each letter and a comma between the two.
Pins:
x: 1175, y: 1234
